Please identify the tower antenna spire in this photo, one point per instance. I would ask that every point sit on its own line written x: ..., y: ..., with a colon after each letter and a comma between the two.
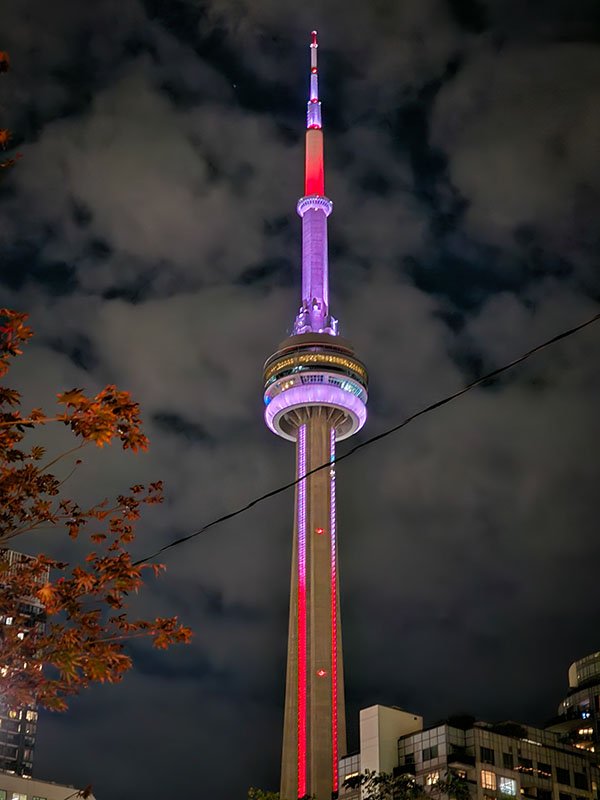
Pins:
x: 313, y: 116
x: 313, y: 110
x: 314, y: 208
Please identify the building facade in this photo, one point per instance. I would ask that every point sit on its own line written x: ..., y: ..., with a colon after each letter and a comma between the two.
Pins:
x: 18, y: 726
x: 578, y: 719
x: 498, y: 761
x: 15, y: 787
x: 315, y: 394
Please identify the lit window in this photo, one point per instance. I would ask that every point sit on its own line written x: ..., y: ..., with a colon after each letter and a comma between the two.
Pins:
x: 9, y: 620
x: 488, y: 779
x: 432, y: 778
x: 31, y: 716
x: 508, y: 786
x: 2, y: 794
x: 18, y: 796
x: 13, y: 714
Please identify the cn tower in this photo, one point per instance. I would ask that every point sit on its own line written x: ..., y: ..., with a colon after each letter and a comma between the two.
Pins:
x: 315, y: 395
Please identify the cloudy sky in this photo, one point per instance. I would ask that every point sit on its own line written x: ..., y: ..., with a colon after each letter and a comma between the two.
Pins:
x: 150, y: 231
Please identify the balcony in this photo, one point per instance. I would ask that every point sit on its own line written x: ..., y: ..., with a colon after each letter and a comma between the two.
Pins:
x: 563, y: 723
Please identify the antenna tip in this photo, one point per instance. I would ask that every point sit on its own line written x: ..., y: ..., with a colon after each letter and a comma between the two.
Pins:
x: 314, y: 37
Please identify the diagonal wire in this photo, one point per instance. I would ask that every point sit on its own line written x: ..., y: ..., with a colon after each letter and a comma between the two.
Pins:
x: 388, y: 432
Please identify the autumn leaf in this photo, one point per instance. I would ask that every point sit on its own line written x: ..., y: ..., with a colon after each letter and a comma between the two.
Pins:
x: 72, y: 397
x: 46, y: 595
x: 9, y: 397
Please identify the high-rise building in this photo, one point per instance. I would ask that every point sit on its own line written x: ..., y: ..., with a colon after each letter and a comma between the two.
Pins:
x: 18, y: 726
x: 501, y: 761
x: 578, y: 719
x: 315, y: 395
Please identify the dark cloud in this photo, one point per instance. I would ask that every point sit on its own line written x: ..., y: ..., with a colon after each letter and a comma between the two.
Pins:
x: 150, y: 230
x: 470, y: 14
x: 79, y: 349
x: 175, y: 423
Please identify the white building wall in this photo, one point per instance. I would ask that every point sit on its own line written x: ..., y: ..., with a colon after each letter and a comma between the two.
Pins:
x: 380, y: 729
x: 14, y: 787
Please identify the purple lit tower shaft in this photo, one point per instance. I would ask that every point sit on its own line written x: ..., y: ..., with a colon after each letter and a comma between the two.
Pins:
x: 315, y: 278
x: 315, y: 394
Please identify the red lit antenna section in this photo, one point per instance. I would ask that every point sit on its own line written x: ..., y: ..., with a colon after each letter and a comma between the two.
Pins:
x: 314, y: 183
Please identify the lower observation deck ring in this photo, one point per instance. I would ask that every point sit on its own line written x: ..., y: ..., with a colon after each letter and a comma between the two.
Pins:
x: 352, y: 407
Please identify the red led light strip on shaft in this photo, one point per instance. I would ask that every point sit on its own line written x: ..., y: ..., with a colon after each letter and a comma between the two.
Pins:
x: 334, y: 621
x: 301, y: 612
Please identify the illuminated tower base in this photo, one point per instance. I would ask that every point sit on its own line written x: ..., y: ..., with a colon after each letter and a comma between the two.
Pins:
x: 315, y: 723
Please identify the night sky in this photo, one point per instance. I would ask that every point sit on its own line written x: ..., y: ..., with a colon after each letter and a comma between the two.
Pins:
x: 150, y: 230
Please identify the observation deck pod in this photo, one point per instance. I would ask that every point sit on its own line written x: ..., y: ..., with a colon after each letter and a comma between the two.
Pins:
x: 315, y: 370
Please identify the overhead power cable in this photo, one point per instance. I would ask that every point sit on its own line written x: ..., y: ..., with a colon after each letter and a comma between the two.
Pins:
x: 327, y: 465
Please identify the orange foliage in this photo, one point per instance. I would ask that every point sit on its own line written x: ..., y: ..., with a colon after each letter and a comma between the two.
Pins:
x: 79, y: 634
x: 5, y: 134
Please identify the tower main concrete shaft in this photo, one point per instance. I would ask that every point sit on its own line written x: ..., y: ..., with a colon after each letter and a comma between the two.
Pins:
x: 315, y: 724
x: 315, y: 395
